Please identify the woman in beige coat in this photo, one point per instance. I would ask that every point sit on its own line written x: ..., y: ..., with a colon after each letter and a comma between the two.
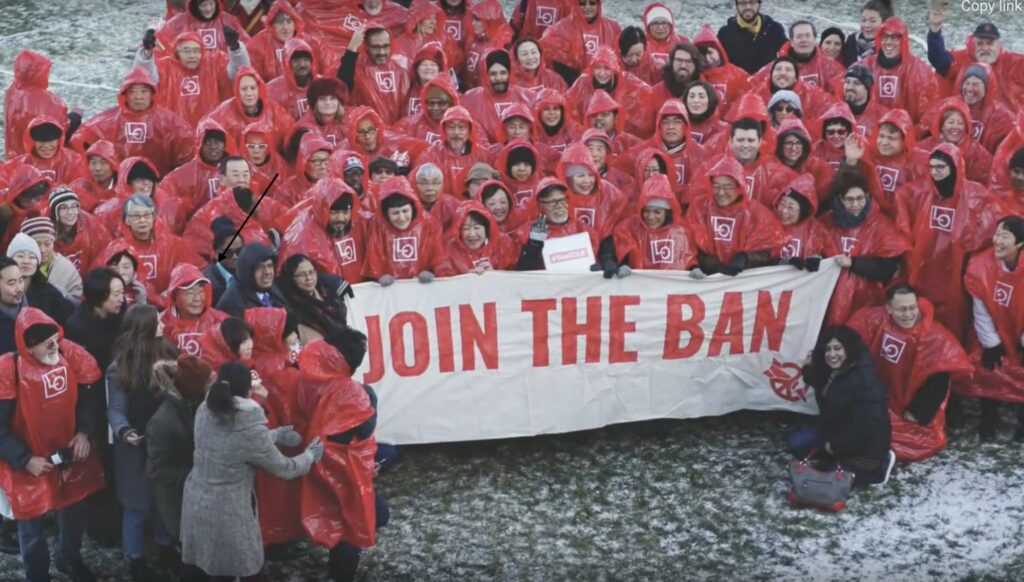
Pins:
x: 220, y: 530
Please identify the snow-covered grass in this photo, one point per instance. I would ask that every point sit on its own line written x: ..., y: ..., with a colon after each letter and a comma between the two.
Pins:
x: 663, y: 500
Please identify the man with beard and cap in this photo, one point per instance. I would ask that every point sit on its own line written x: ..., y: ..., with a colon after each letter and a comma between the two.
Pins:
x: 29, y: 97
x: 254, y: 285
x: 331, y: 232
x: 375, y: 77
x: 207, y: 19
x: 192, y: 81
x: 916, y: 358
x: 857, y: 94
x: 984, y: 46
x: 572, y: 43
x: 495, y: 94
x: 991, y: 121
x: 816, y: 68
x: 226, y: 246
x: 43, y: 142
x: 751, y: 39
x: 947, y: 218
x: 289, y: 89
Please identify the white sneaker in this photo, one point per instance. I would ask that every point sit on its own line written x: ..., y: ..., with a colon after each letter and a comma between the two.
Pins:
x: 888, y: 469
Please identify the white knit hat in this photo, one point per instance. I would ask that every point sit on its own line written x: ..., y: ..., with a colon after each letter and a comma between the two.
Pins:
x: 658, y: 13
x: 23, y: 242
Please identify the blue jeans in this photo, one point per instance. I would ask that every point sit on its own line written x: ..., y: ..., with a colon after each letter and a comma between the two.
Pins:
x: 386, y: 457
x: 801, y: 441
x: 35, y: 553
x: 133, y: 531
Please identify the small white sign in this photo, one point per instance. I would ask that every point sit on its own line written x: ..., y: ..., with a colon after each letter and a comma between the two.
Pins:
x: 568, y: 254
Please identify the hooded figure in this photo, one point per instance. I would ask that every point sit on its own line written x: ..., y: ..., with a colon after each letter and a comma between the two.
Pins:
x: 892, y: 169
x: 529, y: 244
x: 384, y: 87
x: 192, y: 93
x: 658, y: 50
x: 644, y: 171
x: 286, y: 90
x: 604, y: 206
x: 558, y: 135
x: 1008, y: 66
x: 184, y: 330
x: 638, y: 105
x: 602, y: 103
x: 686, y: 156
x: 423, y: 125
x: 338, y: 251
x: 739, y: 235
x: 130, y: 170
x: 533, y: 18
x: 642, y: 243
x: 48, y: 411
x: 959, y: 133
x: 404, y: 151
x: 813, y: 100
x: 229, y: 203
x: 831, y: 147
x: 729, y: 81
x: 257, y: 145
x: 495, y: 196
x: 210, y: 28
x: 416, y: 37
x: 43, y: 144
x: 518, y: 152
x: 991, y: 120
x: 197, y: 182
x: 91, y: 192
x: 234, y: 115
x: 245, y: 292
x: 807, y: 236
x: 25, y: 195
x: 452, y: 162
x: 414, y: 99
x: 136, y: 289
x: 27, y: 98
x: 485, y: 103
x: 817, y: 69
x: 908, y: 361
x: 574, y: 41
x: 406, y: 250
x: 794, y: 129
x: 267, y: 50
x: 466, y: 250
x: 292, y: 191
x: 82, y: 241
x: 947, y: 221
x: 155, y: 133
x: 903, y: 81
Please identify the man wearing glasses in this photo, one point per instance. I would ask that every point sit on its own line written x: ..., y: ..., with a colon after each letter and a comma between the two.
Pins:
x: 555, y: 220
x: 751, y: 39
x: 375, y: 77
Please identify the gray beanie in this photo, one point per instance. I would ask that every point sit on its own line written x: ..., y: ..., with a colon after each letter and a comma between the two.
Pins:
x: 23, y: 242
x: 787, y: 96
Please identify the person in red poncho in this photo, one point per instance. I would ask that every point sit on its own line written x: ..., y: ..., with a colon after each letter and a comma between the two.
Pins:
x: 402, y: 241
x: 809, y: 241
x: 138, y: 126
x: 192, y: 82
x: 633, y: 56
x: 425, y: 26
x: 555, y: 219
x: 532, y: 18
x: 80, y: 236
x: 916, y: 357
x: 595, y: 203
x: 816, y: 68
x: 784, y: 74
x: 28, y: 97
x: 251, y: 104
x: 206, y: 18
x: 556, y: 128
x: 121, y: 259
x: 985, y: 46
x: 833, y: 128
x: 902, y: 81
x: 991, y: 121
x: 660, y: 26
x: 531, y: 72
x: 857, y: 95
x: 656, y: 236
x: 25, y: 195
x: 310, y: 167
x: 267, y: 47
x: 947, y: 219
x: 435, y: 98
x: 428, y: 181
x: 257, y: 148
x: 457, y: 20
x: 607, y: 115
x: 428, y: 64
x: 649, y: 162
x: 632, y: 94
x: 704, y: 112
x: 673, y: 138
x: 339, y: 507
x: 731, y: 231
x: 98, y: 184
x: 135, y: 175
x: 369, y: 137
x: 158, y: 251
x: 793, y: 147
x: 496, y: 94
x: 871, y: 247
x: 952, y: 124
x: 236, y: 204
x: 991, y: 280
x: 376, y: 77
x: 195, y: 183
x: 600, y: 147
x: 191, y: 311
x: 46, y: 425
x: 460, y: 149
x: 43, y: 143
x: 289, y: 89
x: 571, y: 43
x: 501, y: 205
x: 890, y: 155
x: 729, y: 81
x: 518, y: 162
x: 475, y: 244
x: 330, y: 231
x: 1010, y: 189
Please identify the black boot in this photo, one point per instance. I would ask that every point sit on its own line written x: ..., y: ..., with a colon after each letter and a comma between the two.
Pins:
x: 141, y: 572
x: 342, y: 567
x: 954, y: 412
x: 76, y: 570
x: 1018, y: 435
x: 989, y: 418
x: 9, y: 537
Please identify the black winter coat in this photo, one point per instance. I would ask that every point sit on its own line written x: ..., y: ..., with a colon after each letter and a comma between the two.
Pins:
x: 241, y: 294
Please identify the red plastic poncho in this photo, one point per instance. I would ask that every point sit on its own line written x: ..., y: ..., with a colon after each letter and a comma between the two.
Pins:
x: 119, y: 246
x: 64, y: 167
x: 987, y: 280
x: 284, y: 90
x: 614, y: 171
x: 215, y: 350
x: 193, y: 93
x: 486, y: 106
x: 44, y: 420
x: 498, y: 252
x: 186, y: 332
x: 991, y: 120
x: 641, y: 175
x: 411, y: 41
x: 669, y: 247
x: 382, y: 87
x: 495, y: 34
x: 266, y: 51
x: 293, y: 191
x: 632, y: 94
x: 539, y: 15
x: 336, y: 26
x: 444, y: 210
x: 812, y: 164
x: 157, y: 133
x: 515, y: 217
x: 904, y: 359
x: 90, y: 193
x: 423, y: 127
x: 819, y: 71
x: 88, y: 241
x: 808, y: 237
x: 1000, y: 179
x: 109, y: 211
x: 193, y: 184
x: 536, y: 82
x: 978, y: 160
x: 521, y: 236
x: 23, y: 178
x: 273, y: 164
x: 911, y: 85
x: 403, y: 254
x: 211, y: 31
x: 568, y: 131
x: 766, y: 177
x: 814, y: 101
x: 200, y: 236
x: 413, y: 102
x: 574, y: 42
x: 158, y: 256
x: 452, y: 163
x: 27, y: 98
x: 824, y: 150
x: 684, y: 161
x: 1009, y: 67
x: 602, y: 209
x: 730, y: 82
x: 337, y: 502
x: 894, y: 171
x: 876, y: 236
x: 742, y: 227
x: 521, y: 191
x: 656, y: 50
x: 621, y: 141
x: 943, y: 232
x: 232, y: 117
x: 307, y: 234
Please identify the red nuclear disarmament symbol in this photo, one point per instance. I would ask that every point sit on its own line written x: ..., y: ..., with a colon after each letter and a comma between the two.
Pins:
x: 786, y: 381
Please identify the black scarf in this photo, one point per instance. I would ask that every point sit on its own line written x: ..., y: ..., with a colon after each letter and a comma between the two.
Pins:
x: 843, y: 217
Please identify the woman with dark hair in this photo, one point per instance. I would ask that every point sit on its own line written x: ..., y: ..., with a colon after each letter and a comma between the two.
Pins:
x: 136, y: 291
x: 530, y: 71
x: 862, y: 45
x: 475, y: 244
x: 831, y: 43
x: 131, y: 402
x: 853, y: 419
x: 220, y: 532
x: 315, y: 298
x: 701, y: 101
x: 634, y: 58
x: 97, y: 319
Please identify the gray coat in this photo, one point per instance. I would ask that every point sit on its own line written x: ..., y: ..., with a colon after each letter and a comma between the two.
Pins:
x: 220, y: 530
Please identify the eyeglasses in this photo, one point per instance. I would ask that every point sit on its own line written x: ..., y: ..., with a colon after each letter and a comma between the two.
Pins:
x: 837, y: 132
x: 319, y: 162
x: 304, y: 274
x: 937, y: 167
x: 69, y: 208
x: 136, y: 217
x: 366, y: 132
x: 555, y: 202
x: 792, y: 144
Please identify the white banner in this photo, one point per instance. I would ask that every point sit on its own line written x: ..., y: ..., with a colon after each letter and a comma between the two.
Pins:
x: 509, y: 354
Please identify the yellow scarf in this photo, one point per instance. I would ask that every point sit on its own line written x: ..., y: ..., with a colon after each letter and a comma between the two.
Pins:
x: 754, y: 28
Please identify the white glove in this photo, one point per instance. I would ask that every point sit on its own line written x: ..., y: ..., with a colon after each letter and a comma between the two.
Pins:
x: 426, y: 277
x: 286, y: 436
x: 698, y: 274
x: 386, y: 280
x: 623, y: 271
x: 315, y: 449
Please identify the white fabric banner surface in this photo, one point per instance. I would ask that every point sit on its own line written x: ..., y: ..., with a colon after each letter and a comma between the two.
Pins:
x: 509, y: 354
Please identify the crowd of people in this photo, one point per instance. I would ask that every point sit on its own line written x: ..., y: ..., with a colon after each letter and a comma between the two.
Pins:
x: 173, y: 296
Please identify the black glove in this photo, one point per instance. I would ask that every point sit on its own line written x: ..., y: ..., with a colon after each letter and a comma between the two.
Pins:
x: 609, y: 265
x: 346, y: 289
x: 992, y: 357
x: 149, y: 39
x: 231, y: 37
x: 797, y: 262
x: 812, y: 264
x: 735, y: 266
